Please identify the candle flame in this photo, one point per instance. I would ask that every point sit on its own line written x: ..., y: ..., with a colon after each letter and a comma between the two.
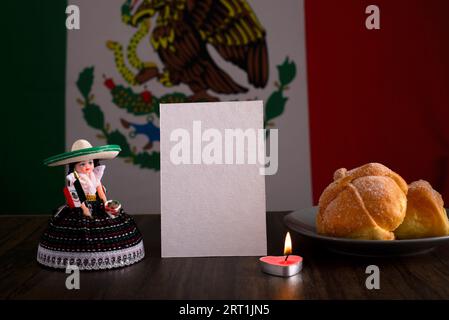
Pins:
x: 288, y: 244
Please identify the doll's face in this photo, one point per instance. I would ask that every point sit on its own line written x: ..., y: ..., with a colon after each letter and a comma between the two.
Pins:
x: 84, y: 166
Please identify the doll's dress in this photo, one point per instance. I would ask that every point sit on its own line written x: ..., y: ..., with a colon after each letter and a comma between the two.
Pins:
x: 100, y: 242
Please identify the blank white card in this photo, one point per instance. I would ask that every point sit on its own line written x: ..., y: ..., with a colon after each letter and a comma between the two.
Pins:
x: 212, y: 195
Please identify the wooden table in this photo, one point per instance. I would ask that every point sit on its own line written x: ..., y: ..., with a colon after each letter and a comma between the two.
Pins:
x: 325, y: 275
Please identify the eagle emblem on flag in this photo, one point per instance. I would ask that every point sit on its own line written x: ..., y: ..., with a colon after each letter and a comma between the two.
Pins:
x: 182, y: 35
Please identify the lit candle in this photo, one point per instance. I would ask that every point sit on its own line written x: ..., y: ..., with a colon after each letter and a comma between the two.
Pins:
x: 284, y: 266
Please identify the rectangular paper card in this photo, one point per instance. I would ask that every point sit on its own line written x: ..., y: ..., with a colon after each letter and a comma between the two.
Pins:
x: 212, y: 194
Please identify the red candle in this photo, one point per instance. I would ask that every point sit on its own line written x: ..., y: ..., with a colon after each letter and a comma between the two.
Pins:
x: 283, y: 266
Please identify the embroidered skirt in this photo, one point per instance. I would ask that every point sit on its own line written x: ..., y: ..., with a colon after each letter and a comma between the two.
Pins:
x: 100, y: 242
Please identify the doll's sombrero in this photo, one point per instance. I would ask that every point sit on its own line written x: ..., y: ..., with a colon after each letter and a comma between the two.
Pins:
x: 82, y: 150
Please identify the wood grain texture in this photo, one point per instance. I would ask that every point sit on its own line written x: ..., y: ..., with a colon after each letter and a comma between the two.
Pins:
x: 325, y: 275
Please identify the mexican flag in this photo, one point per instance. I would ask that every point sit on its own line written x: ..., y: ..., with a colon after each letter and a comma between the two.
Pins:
x: 340, y: 94
x: 129, y: 56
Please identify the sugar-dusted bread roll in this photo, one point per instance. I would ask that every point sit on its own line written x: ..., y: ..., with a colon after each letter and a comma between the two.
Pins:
x: 426, y: 216
x: 368, y: 202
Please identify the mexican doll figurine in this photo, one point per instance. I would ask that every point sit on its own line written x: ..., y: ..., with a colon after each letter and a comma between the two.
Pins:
x: 89, y: 231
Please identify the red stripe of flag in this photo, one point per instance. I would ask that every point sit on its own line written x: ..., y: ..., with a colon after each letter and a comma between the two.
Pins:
x: 379, y: 95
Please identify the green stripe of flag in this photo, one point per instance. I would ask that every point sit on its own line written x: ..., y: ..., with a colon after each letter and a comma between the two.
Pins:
x: 33, y: 105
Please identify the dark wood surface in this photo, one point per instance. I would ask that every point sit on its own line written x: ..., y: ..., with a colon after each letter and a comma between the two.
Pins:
x: 325, y: 275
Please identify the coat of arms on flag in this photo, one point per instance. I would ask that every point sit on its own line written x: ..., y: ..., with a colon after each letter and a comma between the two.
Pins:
x: 129, y: 56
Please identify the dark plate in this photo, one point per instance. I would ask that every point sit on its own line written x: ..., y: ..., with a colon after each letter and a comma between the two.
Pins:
x: 303, y: 222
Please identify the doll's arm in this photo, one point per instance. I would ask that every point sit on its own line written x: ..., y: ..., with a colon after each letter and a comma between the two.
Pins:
x: 86, y: 211
x: 101, y: 193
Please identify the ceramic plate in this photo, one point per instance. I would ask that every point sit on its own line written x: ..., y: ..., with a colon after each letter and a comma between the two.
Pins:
x: 303, y: 222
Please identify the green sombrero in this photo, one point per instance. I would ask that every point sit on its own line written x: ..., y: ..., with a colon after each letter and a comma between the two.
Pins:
x: 82, y: 150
